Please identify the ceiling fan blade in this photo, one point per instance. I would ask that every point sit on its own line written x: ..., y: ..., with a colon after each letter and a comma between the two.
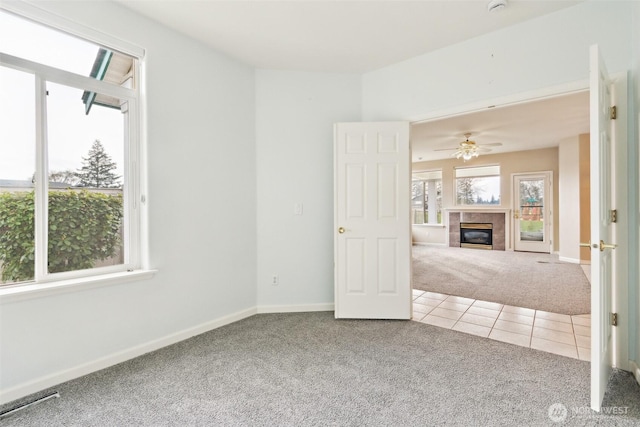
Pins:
x: 493, y: 144
x: 445, y: 149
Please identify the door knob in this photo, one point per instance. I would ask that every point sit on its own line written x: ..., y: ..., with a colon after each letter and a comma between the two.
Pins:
x: 585, y: 245
x: 604, y: 246
x: 341, y: 230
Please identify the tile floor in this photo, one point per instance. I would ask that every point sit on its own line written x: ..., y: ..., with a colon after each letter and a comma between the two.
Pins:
x: 551, y: 332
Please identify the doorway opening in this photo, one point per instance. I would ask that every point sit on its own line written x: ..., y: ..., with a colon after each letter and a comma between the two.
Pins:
x: 525, y: 144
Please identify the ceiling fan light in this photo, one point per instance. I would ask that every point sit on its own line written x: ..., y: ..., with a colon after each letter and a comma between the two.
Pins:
x: 496, y: 5
x: 467, y: 149
x: 467, y: 152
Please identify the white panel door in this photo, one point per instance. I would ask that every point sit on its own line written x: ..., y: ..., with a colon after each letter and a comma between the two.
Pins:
x: 372, y: 168
x: 532, y: 220
x: 602, y: 234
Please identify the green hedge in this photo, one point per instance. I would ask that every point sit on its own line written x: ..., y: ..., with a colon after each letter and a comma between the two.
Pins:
x: 84, y: 227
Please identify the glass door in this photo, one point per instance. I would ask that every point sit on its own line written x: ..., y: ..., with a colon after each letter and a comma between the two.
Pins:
x: 531, y: 212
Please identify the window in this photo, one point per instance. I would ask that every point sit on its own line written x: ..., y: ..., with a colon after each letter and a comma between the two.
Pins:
x: 426, y: 197
x: 478, y: 185
x: 69, y: 152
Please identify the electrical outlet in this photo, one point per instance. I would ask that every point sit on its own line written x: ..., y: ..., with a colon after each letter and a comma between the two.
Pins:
x: 275, y: 280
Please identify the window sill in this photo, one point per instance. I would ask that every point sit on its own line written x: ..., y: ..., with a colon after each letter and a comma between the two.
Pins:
x: 24, y: 292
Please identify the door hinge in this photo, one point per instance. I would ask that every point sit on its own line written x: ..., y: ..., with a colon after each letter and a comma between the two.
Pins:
x: 613, y: 113
x: 614, y: 319
x: 613, y: 215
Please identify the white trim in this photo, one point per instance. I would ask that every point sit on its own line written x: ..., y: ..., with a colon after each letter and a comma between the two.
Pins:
x: 262, y: 309
x: 9, y: 294
x: 503, y: 101
x: 41, y: 202
x: 621, y: 228
x: 67, y: 78
x: 29, y: 10
x: 51, y: 380
x: 571, y: 260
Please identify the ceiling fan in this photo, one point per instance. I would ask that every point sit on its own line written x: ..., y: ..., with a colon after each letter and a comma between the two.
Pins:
x: 469, y: 149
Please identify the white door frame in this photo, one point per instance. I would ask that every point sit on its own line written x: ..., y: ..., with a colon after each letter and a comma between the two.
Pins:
x: 621, y: 336
x: 621, y: 229
x: 548, y: 208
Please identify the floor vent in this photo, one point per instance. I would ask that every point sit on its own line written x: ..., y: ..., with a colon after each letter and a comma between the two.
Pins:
x: 12, y: 411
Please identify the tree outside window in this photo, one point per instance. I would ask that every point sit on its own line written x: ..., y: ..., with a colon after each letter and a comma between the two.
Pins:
x: 478, y: 185
x: 76, y: 215
x: 426, y: 197
x: 97, y: 169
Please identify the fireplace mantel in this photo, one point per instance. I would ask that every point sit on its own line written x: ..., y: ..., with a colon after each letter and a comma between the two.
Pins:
x: 478, y: 209
x: 499, y: 217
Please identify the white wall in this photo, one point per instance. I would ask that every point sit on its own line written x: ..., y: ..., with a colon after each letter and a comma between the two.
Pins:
x: 544, y: 52
x: 423, y: 234
x: 295, y: 113
x: 202, y: 192
x: 569, y: 199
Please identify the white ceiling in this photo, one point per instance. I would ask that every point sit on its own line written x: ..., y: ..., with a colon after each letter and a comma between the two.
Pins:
x: 335, y: 35
x: 360, y: 36
x: 531, y: 125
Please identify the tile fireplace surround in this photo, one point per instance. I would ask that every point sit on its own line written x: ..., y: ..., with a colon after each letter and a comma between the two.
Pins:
x: 495, y: 217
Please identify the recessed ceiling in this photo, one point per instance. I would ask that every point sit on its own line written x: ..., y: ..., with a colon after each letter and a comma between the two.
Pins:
x: 532, y: 125
x: 335, y: 36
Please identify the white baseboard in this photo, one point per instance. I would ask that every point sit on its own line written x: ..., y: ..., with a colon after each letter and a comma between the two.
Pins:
x: 262, y: 309
x: 635, y: 370
x: 51, y: 380
x: 571, y: 260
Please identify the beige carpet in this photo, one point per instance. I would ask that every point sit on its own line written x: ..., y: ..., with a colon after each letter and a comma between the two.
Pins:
x: 522, y: 279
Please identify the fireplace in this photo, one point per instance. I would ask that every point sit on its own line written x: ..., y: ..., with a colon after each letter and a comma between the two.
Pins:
x: 476, y: 235
x: 498, y: 219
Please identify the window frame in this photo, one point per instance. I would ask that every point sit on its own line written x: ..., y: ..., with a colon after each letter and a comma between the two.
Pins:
x: 479, y: 175
x: 425, y: 206
x: 135, y: 249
